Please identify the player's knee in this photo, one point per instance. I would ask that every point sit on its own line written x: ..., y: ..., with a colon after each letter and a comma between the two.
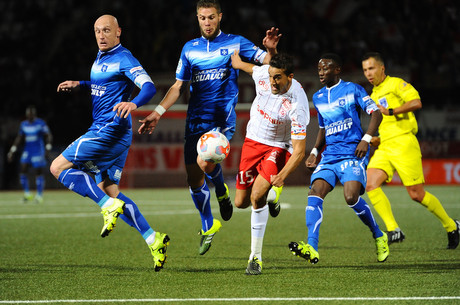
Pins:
x: 416, y: 196
x: 54, y: 169
x: 351, y: 199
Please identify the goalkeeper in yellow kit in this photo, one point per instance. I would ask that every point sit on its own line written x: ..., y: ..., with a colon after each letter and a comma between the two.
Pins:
x: 399, y: 150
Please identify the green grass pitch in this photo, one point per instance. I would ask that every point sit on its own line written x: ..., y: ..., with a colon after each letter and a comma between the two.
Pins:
x: 53, y: 252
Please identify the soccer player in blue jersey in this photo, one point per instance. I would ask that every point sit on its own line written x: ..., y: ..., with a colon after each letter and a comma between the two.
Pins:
x: 37, y: 138
x: 206, y: 63
x: 345, y: 157
x: 103, y: 149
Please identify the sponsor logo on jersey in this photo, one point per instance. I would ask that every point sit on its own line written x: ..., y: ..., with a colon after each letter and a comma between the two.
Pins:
x: 92, y: 167
x: 339, y: 126
x: 97, y: 90
x: 211, y: 74
x: 135, y: 69
x: 266, y: 116
x: 273, y: 155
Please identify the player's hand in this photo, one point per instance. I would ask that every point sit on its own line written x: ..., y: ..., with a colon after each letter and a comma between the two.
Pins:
x: 236, y: 59
x: 310, y: 163
x: 123, y: 109
x: 10, y: 156
x: 68, y: 86
x: 276, y: 180
x: 361, y: 149
x: 375, y: 141
x: 149, y: 123
x: 383, y: 110
x: 271, y: 38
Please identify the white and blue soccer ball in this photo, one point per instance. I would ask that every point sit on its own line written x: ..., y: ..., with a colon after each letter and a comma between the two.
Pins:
x: 213, y: 147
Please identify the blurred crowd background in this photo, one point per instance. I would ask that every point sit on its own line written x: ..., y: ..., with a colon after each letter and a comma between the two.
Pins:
x: 45, y: 42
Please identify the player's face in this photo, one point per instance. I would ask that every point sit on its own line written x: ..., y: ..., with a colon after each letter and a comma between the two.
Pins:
x: 31, y: 113
x: 209, y: 21
x: 328, y: 72
x: 279, y: 81
x: 107, y: 33
x: 374, y: 71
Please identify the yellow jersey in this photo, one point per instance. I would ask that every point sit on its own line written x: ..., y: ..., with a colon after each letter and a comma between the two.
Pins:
x: 392, y: 93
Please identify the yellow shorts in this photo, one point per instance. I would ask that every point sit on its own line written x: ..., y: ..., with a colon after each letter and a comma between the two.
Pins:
x: 401, y: 153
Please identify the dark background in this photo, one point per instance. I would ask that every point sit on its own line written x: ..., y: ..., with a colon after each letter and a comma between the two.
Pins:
x: 49, y: 41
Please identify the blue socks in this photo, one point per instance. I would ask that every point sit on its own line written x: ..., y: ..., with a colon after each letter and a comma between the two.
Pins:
x: 314, y: 218
x: 364, y: 213
x: 133, y: 217
x: 201, y: 198
x: 24, y: 183
x: 81, y: 183
x: 217, y: 178
x: 40, y: 183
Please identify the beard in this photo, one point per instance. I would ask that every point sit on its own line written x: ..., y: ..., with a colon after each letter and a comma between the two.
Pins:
x: 212, y: 35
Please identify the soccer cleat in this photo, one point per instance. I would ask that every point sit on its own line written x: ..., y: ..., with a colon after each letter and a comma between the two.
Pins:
x: 273, y: 200
x: 225, y: 205
x: 396, y: 236
x: 27, y: 197
x: 254, y: 267
x: 304, y: 251
x: 206, y: 237
x: 110, y: 215
x: 453, y: 237
x: 38, y: 199
x: 158, y: 250
x: 381, y: 243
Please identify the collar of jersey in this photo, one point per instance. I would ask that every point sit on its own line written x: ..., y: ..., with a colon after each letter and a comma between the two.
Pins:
x: 114, y: 49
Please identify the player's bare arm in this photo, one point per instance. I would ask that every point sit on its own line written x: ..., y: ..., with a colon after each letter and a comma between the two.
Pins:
x: 68, y: 86
x: 270, y: 42
x: 320, y: 142
x: 297, y: 156
x: 237, y: 63
x: 150, y: 122
x: 406, y: 107
x: 363, y: 146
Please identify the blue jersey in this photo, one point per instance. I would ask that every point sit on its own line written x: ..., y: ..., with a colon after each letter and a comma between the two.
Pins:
x: 338, y: 113
x: 214, y: 83
x: 33, y: 133
x: 113, y: 76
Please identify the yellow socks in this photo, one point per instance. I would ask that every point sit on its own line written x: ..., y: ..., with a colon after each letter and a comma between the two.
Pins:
x: 382, y: 205
x: 434, y: 206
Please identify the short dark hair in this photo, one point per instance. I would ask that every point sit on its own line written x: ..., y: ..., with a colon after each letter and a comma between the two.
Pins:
x: 376, y: 55
x: 208, y: 4
x: 334, y: 57
x: 283, y: 61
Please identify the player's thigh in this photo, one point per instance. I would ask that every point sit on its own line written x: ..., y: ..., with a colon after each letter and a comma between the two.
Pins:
x: 60, y: 164
x: 380, y: 160
x: 375, y: 178
x: 408, y: 164
x: 353, y: 169
x: 259, y: 192
x: 351, y: 191
x: 243, y: 198
x: 195, y: 176
x: 323, y: 180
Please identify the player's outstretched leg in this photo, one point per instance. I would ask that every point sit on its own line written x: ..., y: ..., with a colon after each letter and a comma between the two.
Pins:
x: 273, y: 200
x: 222, y: 193
x: 158, y: 250
x: 206, y: 237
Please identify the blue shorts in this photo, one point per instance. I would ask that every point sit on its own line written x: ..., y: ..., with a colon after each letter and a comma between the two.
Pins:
x: 36, y: 159
x: 191, y: 139
x: 352, y: 169
x: 100, y: 154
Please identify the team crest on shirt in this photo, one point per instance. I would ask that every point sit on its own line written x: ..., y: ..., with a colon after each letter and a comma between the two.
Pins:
x: 104, y: 68
x: 264, y: 84
x: 224, y: 52
x: 383, y: 102
x: 342, y: 102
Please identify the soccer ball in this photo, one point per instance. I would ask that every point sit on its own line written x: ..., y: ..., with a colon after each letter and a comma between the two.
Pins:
x: 213, y: 147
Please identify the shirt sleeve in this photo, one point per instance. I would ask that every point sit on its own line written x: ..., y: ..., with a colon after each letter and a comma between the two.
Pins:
x: 406, y: 91
x: 364, y: 100
x: 183, y: 70
x: 300, y: 116
x: 250, y: 51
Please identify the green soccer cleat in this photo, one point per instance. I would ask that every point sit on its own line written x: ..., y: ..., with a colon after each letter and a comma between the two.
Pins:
x: 254, y: 267
x: 304, y: 251
x: 110, y: 215
x: 225, y: 205
x: 206, y: 237
x: 383, y: 250
x: 158, y: 250
x: 38, y: 199
x: 273, y: 200
x: 27, y: 197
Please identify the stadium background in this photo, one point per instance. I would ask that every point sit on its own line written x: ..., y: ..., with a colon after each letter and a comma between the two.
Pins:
x: 45, y: 42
